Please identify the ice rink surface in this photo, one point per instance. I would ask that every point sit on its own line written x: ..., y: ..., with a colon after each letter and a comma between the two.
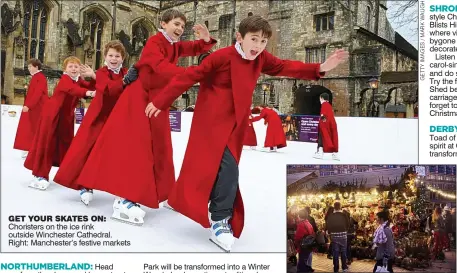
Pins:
x: 262, y: 184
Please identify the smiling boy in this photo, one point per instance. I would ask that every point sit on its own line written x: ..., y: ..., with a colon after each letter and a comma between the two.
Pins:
x: 227, y: 77
x: 110, y: 82
x: 124, y: 160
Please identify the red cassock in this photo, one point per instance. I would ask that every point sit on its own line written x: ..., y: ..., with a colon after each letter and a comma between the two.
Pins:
x: 133, y: 157
x: 109, y: 87
x: 56, y: 127
x: 250, y: 138
x: 275, y: 136
x: 328, y: 129
x: 225, y: 92
x: 37, y: 96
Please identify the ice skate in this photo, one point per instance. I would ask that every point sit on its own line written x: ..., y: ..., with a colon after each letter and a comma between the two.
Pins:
x: 335, y: 156
x: 128, y: 212
x: 273, y: 149
x: 253, y: 148
x: 86, y: 196
x: 267, y: 150
x: 39, y: 183
x: 24, y: 155
x: 319, y: 154
x: 222, y: 235
x: 167, y: 206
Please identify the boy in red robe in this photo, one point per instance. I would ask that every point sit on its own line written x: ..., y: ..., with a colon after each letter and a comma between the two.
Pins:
x: 37, y: 95
x: 56, y: 127
x: 227, y: 77
x: 250, y: 138
x: 275, y: 137
x: 133, y: 157
x: 110, y: 81
x: 327, y: 139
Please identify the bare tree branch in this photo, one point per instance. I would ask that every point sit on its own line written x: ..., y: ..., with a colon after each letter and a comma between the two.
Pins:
x: 402, y: 13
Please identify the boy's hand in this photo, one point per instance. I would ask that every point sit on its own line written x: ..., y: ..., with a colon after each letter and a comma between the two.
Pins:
x: 131, y: 76
x: 151, y: 110
x: 334, y: 60
x: 202, y: 32
x: 87, y: 71
x: 25, y: 109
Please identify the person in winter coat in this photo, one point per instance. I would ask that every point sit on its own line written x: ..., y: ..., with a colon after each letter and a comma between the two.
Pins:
x: 438, y: 232
x: 383, y: 239
x: 304, y: 229
x: 447, y: 228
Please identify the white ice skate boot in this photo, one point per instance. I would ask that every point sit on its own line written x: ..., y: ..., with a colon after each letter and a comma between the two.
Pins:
x: 222, y: 235
x: 128, y: 212
x: 275, y: 149
x: 39, y: 183
x: 253, y: 148
x: 86, y: 196
x: 166, y: 205
x: 335, y: 156
x: 24, y: 154
x: 319, y: 154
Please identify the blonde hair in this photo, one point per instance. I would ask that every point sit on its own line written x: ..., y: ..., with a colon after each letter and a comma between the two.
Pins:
x: 71, y: 59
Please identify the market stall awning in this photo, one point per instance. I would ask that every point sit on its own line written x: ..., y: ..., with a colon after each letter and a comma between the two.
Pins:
x: 294, y: 177
x: 304, y: 182
x: 296, y: 181
x: 372, y: 178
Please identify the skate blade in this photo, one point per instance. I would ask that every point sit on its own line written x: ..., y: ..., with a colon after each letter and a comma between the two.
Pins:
x: 167, y: 206
x: 87, y: 204
x: 126, y: 222
x: 266, y: 151
x: 37, y: 188
x: 170, y: 208
x: 218, y: 245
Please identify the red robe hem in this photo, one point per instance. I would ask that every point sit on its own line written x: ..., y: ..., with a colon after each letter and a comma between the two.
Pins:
x: 108, y: 89
x: 328, y: 129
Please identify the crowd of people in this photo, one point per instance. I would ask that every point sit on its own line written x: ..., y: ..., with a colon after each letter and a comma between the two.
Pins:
x: 441, y: 227
x: 340, y: 230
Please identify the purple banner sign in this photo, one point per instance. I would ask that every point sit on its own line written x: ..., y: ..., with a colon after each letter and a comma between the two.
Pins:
x: 300, y: 128
x: 308, y: 128
x: 175, y: 121
x: 79, y: 115
x: 291, y: 126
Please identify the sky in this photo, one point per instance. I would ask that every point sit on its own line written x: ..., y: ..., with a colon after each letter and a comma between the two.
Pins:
x: 406, y: 25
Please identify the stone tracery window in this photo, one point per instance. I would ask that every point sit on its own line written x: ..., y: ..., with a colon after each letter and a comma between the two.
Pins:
x: 186, y: 36
x: 368, y: 17
x: 225, y: 29
x: 140, y: 35
x: 35, y: 22
x: 315, y: 54
x: 93, y: 27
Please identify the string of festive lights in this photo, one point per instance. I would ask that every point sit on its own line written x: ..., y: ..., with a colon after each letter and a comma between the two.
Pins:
x: 440, y: 192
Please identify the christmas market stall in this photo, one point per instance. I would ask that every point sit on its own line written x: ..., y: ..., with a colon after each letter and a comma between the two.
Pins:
x: 402, y: 193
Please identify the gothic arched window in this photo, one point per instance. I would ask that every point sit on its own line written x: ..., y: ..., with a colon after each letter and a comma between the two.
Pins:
x: 140, y: 35
x: 186, y: 35
x: 226, y: 29
x: 35, y: 20
x: 93, y: 26
x: 368, y: 18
